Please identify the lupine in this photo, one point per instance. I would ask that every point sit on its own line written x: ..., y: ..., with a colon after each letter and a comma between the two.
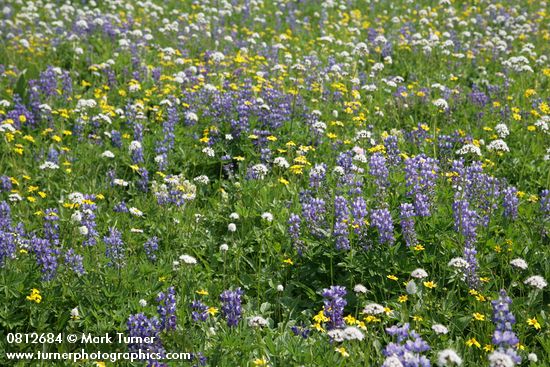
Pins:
x: 116, y: 138
x: 46, y: 257
x: 510, y: 202
x: 74, y: 262
x: 317, y: 175
x: 420, y: 177
x: 334, y: 306
x: 5, y: 184
x: 301, y: 331
x: 114, y: 248
x: 381, y: 220
x: 231, y: 306
x: 545, y: 203
x: 408, y: 349
x: 143, y: 181
x: 7, y: 246
x: 151, y: 247
x: 88, y: 220
x: 167, y: 309
x: 5, y: 216
x: 359, y: 212
x: 392, y: 150
x: 294, y: 222
x: 341, y: 213
x: 143, y: 327
x: 379, y: 170
x: 466, y: 222
x: 200, y: 311
x: 51, y: 228
x: 504, y: 337
x: 407, y: 215
x: 313, y: 211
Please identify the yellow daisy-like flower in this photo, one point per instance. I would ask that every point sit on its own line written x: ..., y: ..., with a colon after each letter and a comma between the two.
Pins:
x: 350, y: 320
x: 403, y: 298
x: 260, y: 362
x: 418, y: 247
x: 534, y: 323
x: 212, y: 310
x: 392, y: 277
x: 430, y: 284
x: 342, y: 351
x: 320, y: 317
x: 35, y: 296
x: 478, y: 316
x: 202, y: 292
x: 473, y: 342
x: 488, y: 348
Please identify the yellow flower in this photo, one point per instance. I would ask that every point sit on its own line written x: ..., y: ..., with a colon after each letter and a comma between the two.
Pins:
x: 283, y: 181
x: 288, y: 261
x: 417, y: 318
x: 387, y: 310
x: 35, y: 296
x: 317, y: 326
x: 478, y: 316
x: 320, y: 317
x: 488, y: 348
x: 202, y: 292
x: 430, y: 284
x: 534, y: 323
x: 418, y: 247
x: 403, y: 298
x: 392, y: 277
x: 260, y: 362
x: 342, y: 351
x: 238, y: 158
x: 297, y: 169
x: 473, y: 341
x: 350, y: 320
x: 212, y: 310
x: 480, y: 298
x: 370, y: 319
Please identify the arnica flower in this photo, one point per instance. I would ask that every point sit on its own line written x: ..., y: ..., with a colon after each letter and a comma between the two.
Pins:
x: 231, y: 306
x: 34, y: 296
x: 334, y: 306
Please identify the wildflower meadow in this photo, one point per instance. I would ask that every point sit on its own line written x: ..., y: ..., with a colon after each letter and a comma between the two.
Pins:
x: 274, y: 183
